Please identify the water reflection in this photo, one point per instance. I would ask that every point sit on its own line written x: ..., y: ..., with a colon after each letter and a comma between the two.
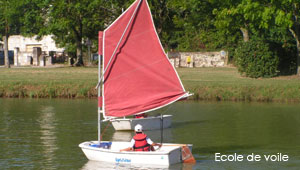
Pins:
x: 47, y: 129
x: 95, y: 165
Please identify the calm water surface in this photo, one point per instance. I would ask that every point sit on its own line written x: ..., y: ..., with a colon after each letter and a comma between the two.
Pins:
x: 45, y: 133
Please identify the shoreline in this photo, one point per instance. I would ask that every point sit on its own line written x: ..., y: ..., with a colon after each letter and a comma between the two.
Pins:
x: 207, y: 84
x: 266, y: 99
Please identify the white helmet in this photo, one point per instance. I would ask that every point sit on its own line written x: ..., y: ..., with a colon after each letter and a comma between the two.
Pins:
x: 138, y: 128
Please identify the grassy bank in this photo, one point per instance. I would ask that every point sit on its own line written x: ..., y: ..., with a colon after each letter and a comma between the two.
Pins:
x: 228, y: 84
x: 205, y: 83
x: 48, y: 82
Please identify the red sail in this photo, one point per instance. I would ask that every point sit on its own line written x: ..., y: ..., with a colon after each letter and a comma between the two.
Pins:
x: 138, y: 76
x: 100, y: 41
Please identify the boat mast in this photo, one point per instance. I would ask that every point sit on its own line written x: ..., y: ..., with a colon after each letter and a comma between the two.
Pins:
x: 99, y: 84
x: 99, y: 98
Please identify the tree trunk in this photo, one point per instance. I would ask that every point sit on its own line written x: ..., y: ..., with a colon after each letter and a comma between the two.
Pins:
x: 78, y: 33
x: 79, y: 53
x: 6, y: 57
x: 245, y: 34
x: 298, y: 49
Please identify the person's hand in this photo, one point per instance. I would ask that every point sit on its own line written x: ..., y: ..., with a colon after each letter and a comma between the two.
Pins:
x: 126, y: 149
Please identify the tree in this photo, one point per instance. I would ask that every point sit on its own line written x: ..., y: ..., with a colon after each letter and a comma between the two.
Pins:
x: 242, y: 15
x: 9, y: 23
x: 193, y: 26
x: 161, y: 16
x: 260, y: 17
x: 73, y: 21
x: 286, y: 15
x: 20, y: 17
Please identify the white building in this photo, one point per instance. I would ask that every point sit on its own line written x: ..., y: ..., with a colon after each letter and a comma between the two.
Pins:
x: 23, y: 47
x: 26, y: 44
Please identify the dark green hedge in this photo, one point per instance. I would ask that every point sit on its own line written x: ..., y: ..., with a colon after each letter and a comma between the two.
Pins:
x: 255, y: 59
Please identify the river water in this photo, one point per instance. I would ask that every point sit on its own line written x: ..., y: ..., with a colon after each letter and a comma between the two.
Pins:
x: 45, y: 133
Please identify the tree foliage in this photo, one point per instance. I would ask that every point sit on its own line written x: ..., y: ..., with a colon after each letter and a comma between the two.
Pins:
x: 193, y: 28
x: 72, y: 22
x: 9, y: 23
x: 189, y: 25
x: 20, y: 17
x: 263, y: 18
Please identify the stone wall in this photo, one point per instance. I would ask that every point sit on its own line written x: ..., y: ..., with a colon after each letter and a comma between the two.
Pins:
x: 198, y: 59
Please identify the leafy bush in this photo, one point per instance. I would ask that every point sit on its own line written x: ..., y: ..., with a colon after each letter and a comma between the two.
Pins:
x: 254, y: 59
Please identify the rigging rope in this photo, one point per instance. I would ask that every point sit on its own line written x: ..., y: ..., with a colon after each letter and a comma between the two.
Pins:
x: 104, y: 130
x: 162, y: 123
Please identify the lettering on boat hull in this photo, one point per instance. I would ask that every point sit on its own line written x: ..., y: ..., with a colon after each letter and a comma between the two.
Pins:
x: 122, y: 160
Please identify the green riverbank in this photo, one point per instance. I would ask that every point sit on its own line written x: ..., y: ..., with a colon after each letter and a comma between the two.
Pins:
x: 205, y: 83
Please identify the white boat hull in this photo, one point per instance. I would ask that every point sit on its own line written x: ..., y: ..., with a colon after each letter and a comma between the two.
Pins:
x: 148, y: 123
x: 164, y: 156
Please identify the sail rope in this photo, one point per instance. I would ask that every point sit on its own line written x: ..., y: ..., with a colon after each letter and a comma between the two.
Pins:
x: 162, y: 123
x: 104, y: 130
x: 167, y: 109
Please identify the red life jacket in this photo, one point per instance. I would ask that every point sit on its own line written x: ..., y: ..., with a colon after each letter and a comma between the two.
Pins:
x: 141, y: 142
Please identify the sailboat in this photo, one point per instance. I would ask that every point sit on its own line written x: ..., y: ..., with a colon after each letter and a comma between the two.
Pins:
x: 136, y: 77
